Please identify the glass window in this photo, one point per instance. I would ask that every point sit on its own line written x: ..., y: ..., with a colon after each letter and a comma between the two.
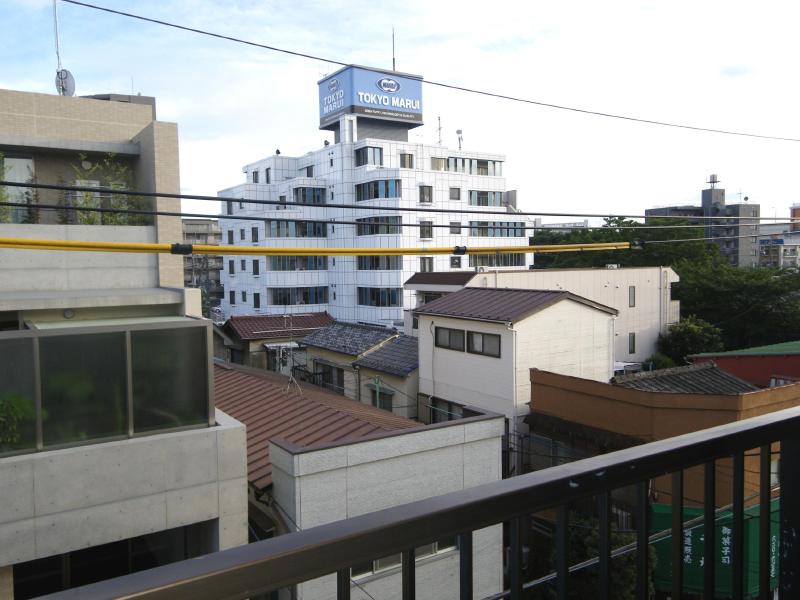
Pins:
x: 426, y: 194
x: 230, y: 267
x: 382, y: 399
x: 230, y: 237
x: 255, y: 176
x: 380, y: 263
x: 83, y: 387
x: 369, y: 155
x: 256, y: 300
x: 381, y: 188
x: 455, y: 193
x: 406, y: 161
x: 267, y: 175
x: 452, y: 339
x: 494, y: 260
x: 308, y: 195
x: 425, y: 264
x: 17, y: 388
x: 438, y: 164
x: 426, y: 229
x: 455, y: 227
x: 380, y: 297
x: 254, y: 234
x: 170, y: 378
x: 231, y: 297
x: 243, y: 264
x: 256, y: 266
x: 241, y: 234
x: 378, y: 225
x: 455, y: 262
x: 229, y: 207
x: 483, y: 343
x: 631, y: 296
x: 299, y: 295
x: 244, y: 296
x: 631, y: 343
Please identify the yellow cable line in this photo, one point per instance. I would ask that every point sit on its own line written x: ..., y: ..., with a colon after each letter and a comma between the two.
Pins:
x: 138, y: 247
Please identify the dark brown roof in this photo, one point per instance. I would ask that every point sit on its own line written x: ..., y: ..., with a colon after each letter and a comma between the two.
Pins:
x: 500, y: 304
x: 701, y: 378
x: 265, y: 327
x: 442, y: 278
x: 259, y: 400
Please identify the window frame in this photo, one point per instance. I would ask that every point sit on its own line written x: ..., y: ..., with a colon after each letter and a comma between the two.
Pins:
x: 455, y: 227
x: 425, y: 194
x: 449, y: 344
x: 409, y: 162
x: 631, y: 296
x: 426, y: 227
x: 457, y: 195
x: 426, y: 264
x: 483, y: 352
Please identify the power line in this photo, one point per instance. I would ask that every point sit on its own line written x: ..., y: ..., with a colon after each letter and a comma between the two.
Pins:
x: 437, y: 83
x: 459, y: 211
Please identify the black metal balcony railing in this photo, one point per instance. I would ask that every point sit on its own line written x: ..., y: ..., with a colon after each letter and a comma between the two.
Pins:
x: 290, y: 559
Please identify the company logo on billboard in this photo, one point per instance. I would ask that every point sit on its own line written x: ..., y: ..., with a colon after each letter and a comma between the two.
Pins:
x: 388, y: 85
x: 333, y: 85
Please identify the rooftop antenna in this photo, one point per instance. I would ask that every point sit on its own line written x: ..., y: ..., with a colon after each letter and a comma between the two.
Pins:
x: 713, y: 180
x: 292, y: 380
x: 393, y: 65
x: 440, y: 130
x: 460, y: 137
x: 65, y: 82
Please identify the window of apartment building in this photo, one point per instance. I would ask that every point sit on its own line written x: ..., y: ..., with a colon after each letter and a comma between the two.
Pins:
x: 267, y: 175
x: 406, y: 161
x: 380, y: 188
x: 426, y: 230
x: 443, y: 410
x: 243, y: 264
x: 380, y: 398
x: 241, y: 234
x: 425, y: 264
x: 438, y: 164
x: 256, y: 300
x: 255, y: 176
x: 379, y: 263
x: 230, y: 236
x: 378, y: 226
x: 309, y: 195
x: 631, y: 296
x: 455, y: 227
x: 280, y: 228
x: 230, y: 267
x: 426, y: 194
x: 369, y: 155
x: 299, y: 295
x: 452, y: 339
x: 282, y: 205
x: 331, y: 161
x: 331, y: 377
x: 475, y: 167
x: 229, y: 207
x: 495, y: 260
x: 380, y: 297
x: 256, y: 266
x: 232, y: 297
x: 455, y: 262
x: 425, y: 297
x: 631, y: 343
x: 244, y: 296
x: 388, y: 562
x: 483, y: 198
x: 241, y: 203
x: 298, y: 263
x: 497, y: 229
x: 254, y: 234
x: 487, y: 344
x: 307, y: 171
x: 455, y: 193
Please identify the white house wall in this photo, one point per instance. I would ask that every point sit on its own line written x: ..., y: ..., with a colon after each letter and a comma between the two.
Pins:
x: 348, y: 480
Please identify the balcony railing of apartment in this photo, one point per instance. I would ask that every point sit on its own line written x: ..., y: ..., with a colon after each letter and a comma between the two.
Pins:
x: 84, y: 384
x: 334, y: 548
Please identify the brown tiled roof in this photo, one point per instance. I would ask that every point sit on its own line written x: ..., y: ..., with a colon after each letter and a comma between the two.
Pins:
x: 442, y: 278
x: 701, y: 378
x: 265, y: 327
x: 259, y: 400
x: 500, y: 304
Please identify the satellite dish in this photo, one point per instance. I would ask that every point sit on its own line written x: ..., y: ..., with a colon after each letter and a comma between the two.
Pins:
x: 65, y: 83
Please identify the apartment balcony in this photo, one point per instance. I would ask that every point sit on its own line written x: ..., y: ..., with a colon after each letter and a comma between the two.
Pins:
x: 331, y: 550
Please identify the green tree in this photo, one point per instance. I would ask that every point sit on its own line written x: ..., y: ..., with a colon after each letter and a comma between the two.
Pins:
x: 691, y: 335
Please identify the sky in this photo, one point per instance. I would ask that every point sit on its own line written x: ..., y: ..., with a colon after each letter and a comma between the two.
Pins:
x: 723, y: 65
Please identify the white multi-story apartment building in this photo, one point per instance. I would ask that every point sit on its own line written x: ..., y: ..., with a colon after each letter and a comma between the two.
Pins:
x: 373, y: 167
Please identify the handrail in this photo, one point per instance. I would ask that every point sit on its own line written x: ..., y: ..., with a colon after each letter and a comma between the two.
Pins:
x: 286, y: 560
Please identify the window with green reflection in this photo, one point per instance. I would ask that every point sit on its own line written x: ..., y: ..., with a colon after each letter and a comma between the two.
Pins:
x: 17, y: 403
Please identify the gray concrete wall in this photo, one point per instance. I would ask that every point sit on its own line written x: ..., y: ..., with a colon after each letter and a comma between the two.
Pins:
x: 63, y: 500
x: 319, y: 487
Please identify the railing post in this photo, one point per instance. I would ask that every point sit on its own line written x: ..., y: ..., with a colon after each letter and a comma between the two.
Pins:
x: 408, y: 575
x: 642, y: 541
x: 709, y: 529
x: 465, y: 565
x: 677, y: 535
x: 562, y: 566
x: 604, y: 546
x: 764, y: 521
x: 515, y: 558
x: 343, y: 584
x: 790, y: 518
x: 737, y: 543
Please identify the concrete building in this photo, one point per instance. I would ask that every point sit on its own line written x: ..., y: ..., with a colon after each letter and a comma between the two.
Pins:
x: 477, y: 345
x: 371, y: 165
x: 641, y: 295
x: 731, y: 223
x: 316, y: 458
x: 202, y: 270
x: 112, y: 455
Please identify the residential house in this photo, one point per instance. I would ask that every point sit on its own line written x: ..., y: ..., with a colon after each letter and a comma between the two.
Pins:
x: 113, y: 457
x: 641, y: 295
x: 763, y: 366
x: 367, y: 363
x: 271, y: 341
x: 477, y: 345
x: 315, y: 457
x: 572, y: 417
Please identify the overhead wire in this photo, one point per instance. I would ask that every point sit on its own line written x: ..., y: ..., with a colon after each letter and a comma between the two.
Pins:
x: 440, y: 84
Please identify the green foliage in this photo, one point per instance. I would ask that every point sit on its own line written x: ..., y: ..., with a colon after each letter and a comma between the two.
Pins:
x: 691, y: 335
x: 205, y: 302
x: 660, y: 361
x: 15, y: 410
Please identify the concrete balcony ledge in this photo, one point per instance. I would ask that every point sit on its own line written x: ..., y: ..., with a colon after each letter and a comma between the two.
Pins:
x: 29, y: 142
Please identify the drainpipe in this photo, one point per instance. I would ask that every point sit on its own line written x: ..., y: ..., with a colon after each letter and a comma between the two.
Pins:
x: 357, y: 371
x: 517, y: 456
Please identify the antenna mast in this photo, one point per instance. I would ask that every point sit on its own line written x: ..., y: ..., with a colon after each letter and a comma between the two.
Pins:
x: 440, y: 130
x: 393, y: 65
x: 55, y: 28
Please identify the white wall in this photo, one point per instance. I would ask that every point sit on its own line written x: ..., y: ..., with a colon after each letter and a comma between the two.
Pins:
x: 653, y: 313
x: 62, y: 500
x: 348, y: 480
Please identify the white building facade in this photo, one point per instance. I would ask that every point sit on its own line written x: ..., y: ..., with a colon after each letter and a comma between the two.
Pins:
x: 374, y: 167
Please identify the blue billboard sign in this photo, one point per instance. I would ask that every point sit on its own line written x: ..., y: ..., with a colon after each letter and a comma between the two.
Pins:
x: 375, y: 94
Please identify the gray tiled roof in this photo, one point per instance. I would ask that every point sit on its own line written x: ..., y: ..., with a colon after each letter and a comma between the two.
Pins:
x: 500, y: 304
x: 348, y: 338
x: 399, y: 356
x: 701, y: 378
x: 442, y: 278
